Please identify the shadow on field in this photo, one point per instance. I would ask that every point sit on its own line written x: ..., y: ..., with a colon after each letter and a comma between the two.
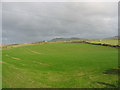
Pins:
x: 107, y: 84
x: 116, y: 84
x: 115, y: 71
x: 112, y: 71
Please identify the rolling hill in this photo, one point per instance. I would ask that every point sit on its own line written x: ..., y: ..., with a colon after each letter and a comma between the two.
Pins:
x: 67, y: 39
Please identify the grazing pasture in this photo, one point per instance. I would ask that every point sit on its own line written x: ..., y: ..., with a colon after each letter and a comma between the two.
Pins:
x: 111, y: 42
x: 60, y: 65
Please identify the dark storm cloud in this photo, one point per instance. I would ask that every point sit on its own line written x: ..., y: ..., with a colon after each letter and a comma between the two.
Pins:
x: 29, y: 22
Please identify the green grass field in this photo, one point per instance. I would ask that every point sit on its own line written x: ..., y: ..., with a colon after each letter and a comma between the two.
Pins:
x: 59, y: 65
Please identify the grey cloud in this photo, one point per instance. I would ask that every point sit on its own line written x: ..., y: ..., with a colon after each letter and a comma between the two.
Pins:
x: 29, y: 22
x: 0, y: 23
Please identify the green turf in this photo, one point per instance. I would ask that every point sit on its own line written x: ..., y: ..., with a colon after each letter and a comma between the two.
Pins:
x: 59, y: 65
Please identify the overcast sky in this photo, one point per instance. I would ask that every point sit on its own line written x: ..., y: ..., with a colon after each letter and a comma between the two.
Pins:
x: 31, y: 22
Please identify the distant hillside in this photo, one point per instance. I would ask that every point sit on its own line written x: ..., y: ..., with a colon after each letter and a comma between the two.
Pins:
x: 67, y: 39
x: 112, y: 38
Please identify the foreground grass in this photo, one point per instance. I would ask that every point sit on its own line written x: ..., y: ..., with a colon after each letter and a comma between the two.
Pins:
x: 59, y: 65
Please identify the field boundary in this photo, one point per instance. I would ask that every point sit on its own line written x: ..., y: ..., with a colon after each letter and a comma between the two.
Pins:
x: 87, y: 42
x: 47, y: 42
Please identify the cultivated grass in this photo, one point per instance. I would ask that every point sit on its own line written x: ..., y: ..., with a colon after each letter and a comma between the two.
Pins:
x: 59, y: 65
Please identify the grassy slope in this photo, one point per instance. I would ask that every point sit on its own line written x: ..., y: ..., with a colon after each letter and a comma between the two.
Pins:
x: 58, y: 65
x: 111, y: 42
